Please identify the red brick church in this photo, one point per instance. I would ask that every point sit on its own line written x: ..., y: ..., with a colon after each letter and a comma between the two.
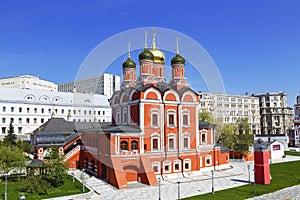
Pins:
x: 155, y: 131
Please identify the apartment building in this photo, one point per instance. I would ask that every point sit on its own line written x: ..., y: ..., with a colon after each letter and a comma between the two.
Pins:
x: 276, y: 116
x: 104, y: 84
x: 229, y: 108
x: 28, y: 82
x: 27, y: 109
x: 297, y: 121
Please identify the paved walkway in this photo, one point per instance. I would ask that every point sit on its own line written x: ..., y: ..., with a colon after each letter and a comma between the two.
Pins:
x: 190, y: 186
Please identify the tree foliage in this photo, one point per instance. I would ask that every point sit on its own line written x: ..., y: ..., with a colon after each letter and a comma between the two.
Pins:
x: 11, y: 157
x: 56, y: 168
x: 206, y: 116
x: 25, y: 146
x: 35, y: 184
x: 243, y: 126
x: 237, y: 136
x: 11, y: 137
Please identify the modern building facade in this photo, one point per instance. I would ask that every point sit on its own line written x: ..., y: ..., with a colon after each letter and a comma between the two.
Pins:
x: 104, y: 84
x: 229, y: 108
x: 27, y: 109
x: 155, y: 130
x: 28, y: 82
x: 276, y: 116
x: 297, y: 121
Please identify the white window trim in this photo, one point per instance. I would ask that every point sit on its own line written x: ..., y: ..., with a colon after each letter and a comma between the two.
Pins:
x: 203, y: 132
x: 208, y: 157
x: 155, y: 136
x: 177, y: 162
x: 118, y: 116
x: 186, y: 112
x: 124, y: 119
x: 171, y: 112
x: 155, y: 111
x: 166, y: 163
x: 172, y: 136
x: 157, y: 164
x: 201, y: 161
x: 186, y: 135
x: 187, y: 161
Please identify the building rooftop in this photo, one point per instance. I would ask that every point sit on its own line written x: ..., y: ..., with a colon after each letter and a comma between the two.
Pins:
x: 45, y: 97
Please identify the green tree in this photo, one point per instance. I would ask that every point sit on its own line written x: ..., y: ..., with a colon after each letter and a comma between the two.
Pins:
x: 237, y: 136
x: 243, y: 126
x: 206, y: 116
x: 228, y: 136
x: 245, y: 138
x: 11, y: 158
x: 35, y: 184
x: 56, y: 168
x: 11, y: 137
x: 25, y: 146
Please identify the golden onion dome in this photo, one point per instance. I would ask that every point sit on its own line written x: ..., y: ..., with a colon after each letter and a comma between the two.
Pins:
x: 159, y: 56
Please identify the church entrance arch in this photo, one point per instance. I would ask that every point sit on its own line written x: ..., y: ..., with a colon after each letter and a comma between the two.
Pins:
x: 131, y: 173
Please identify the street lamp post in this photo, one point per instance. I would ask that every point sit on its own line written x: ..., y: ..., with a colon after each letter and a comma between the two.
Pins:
x: 178, y: 182
x: 212, y: 182
x: 22, y: 197
x: 249, y: 174
x: 73, y: 169
x: 82, y: 179
x: 254, y: 181
x: 5, y: 190
x: 159, y: 180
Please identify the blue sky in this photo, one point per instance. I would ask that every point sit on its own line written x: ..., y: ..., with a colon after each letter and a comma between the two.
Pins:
x: 255, y: 44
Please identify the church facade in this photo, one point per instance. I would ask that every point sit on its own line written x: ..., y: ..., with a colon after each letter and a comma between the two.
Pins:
x: 155, y: 131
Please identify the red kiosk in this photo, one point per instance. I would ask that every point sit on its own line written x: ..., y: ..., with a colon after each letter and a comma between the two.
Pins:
x: 261, y: 163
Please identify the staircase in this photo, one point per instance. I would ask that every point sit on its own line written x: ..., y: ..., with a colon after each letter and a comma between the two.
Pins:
x: 94, y: 184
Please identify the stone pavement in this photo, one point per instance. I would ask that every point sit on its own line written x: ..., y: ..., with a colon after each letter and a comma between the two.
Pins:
x: 235, y: 176
x: 291, y: 193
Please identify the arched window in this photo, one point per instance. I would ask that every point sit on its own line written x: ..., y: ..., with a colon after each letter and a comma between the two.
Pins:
x: 134, y: 145
x: 124, y: 145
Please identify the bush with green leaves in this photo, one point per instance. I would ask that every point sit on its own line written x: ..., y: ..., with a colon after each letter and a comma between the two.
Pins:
x: 35, y: 184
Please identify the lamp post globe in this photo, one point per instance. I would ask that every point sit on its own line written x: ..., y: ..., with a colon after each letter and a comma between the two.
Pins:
x: 22, y: 197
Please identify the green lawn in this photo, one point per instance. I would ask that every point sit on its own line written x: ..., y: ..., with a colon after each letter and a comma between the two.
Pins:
x: 13, y: 191
x: 283, y: 175
x: 292, y: 153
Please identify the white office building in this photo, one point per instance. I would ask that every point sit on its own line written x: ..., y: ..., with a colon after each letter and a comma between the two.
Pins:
x: 28, y: 82
x: 104, y: 84
x: 229, y: 108
x: 27, y: 109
